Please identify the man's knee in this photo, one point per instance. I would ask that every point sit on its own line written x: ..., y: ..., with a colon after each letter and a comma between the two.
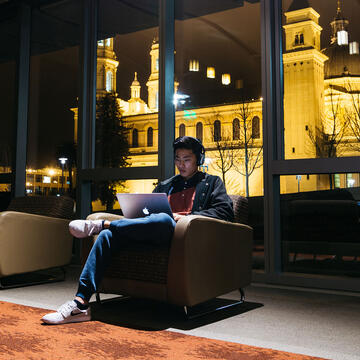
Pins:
x: 104, y: 237
x: 164, y: 219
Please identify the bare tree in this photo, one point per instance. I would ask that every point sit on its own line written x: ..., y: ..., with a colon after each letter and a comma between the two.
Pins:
x: 352, y: 114
x: 247, y: 139
x: 224, y: 149
x: 330, y: 134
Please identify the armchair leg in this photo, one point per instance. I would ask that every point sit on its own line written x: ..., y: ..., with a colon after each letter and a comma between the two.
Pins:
x: 242, y: 295
x: 189, y: 316
x: 98, y: 300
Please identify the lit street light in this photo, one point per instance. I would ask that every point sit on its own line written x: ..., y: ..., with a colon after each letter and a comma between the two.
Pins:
x: 63, y: 161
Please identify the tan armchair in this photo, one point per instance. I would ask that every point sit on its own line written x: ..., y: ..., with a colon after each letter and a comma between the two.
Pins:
x: 207, y: 258
x: 34, y: 235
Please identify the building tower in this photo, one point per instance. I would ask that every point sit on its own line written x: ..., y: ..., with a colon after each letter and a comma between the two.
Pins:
x: 135, y: 104
x: 135, y: 88
x: 303, y: 79
x: 106, y: 67
x: 153, y: 82
x: 339, y: 28
x: 105, y: 74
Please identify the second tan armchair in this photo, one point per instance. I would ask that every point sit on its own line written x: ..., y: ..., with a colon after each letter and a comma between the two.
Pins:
x: 34, y: 235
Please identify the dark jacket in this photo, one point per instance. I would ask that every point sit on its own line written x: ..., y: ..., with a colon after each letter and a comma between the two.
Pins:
x: 210, y: 199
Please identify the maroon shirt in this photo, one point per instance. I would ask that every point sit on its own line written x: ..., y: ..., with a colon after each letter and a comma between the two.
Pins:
x: 181, y: 202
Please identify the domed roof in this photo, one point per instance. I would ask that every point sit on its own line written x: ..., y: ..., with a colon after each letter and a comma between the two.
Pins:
x: 135, y: 81
x: 340, y: 62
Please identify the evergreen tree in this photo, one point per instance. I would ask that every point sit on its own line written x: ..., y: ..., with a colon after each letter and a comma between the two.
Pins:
x: 111, y: 145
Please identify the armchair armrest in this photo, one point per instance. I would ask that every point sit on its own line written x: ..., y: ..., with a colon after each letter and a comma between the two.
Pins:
x: 208, y: 258
x: 31, y: 242
x: 104, y: 216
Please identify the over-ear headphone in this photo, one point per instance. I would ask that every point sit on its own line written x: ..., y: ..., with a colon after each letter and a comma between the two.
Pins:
x: 201, y: 156
x: 196, y: 146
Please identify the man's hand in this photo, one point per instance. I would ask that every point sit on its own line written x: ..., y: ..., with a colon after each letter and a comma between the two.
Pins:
x: 177, y: 216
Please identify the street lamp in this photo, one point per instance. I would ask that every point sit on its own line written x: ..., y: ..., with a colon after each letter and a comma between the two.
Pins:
x: 298, y: 178
x: 63, y: 161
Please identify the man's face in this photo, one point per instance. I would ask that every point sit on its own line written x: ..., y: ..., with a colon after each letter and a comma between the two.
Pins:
x: 185, y: 161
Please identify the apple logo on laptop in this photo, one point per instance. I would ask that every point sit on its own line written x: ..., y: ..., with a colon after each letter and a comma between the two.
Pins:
x: 146, y: 211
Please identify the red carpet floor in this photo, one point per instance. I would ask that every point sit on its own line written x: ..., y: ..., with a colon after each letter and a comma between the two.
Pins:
x: 23, y: 336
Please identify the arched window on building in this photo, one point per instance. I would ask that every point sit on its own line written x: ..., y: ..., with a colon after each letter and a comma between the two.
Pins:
x: 302, y: 39
x: 299, y: 39
x: 217, y: 130
x: 135, y: 138
x: 109, y: 81
x: 236, y: 129
x: 199, y: 131
x: 255, y: 127
x: 150, y: 133
x: 182, y: 130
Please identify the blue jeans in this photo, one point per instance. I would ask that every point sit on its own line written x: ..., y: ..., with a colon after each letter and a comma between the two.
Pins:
x: 155, y: 229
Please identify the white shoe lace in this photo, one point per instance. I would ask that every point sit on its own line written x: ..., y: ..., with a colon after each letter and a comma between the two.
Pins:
x: 92, y: 227
x: 66, y: 309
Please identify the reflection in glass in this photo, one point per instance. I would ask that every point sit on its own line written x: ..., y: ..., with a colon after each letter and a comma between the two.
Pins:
x: 320, y: 226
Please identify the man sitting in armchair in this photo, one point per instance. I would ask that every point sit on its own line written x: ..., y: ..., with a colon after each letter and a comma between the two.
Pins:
x: 191, y: 192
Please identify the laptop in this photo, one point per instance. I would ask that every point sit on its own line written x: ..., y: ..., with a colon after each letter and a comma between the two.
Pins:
x: 140, y: 205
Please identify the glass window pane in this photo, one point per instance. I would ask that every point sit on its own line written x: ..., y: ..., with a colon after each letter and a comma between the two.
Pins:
x: 321, y: 79
x: 8, y: 53
x: 54, y: 70
x: 320, y: 224
x: 127, y: 84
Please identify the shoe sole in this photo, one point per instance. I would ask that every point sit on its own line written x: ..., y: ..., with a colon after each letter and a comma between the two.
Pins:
x: 68, y: 321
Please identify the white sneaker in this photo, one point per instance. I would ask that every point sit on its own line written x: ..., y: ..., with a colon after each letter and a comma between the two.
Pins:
x: 67, y: 313
x: 85, y: 228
